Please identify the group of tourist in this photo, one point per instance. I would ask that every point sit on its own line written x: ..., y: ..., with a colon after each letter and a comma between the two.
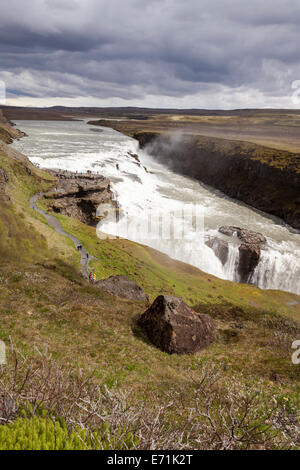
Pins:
x: 92, y: 277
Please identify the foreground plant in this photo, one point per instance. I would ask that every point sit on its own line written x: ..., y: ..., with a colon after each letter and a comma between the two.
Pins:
x: 44, y: 406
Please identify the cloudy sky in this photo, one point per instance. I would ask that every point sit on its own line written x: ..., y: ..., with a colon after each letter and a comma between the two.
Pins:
x: 157, y: 53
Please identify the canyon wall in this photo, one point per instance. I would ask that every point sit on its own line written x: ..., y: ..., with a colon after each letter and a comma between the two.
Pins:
x: 265, y: 178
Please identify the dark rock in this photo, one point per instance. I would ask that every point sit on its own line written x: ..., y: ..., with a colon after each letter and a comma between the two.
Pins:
x: 122, y: 286
x: 229, y: 230
x: 247, y: 236
x: 174, y: 327
x: 275, y: 377
x: 220, y: 248
x: 134, y: 155
x: 250, y: 237
x: 249, y: 250
x: 248, y: 260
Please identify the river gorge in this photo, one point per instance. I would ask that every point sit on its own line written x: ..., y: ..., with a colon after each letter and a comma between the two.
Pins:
x: 142, y: 185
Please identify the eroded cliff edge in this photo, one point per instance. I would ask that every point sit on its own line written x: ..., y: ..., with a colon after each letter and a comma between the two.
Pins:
x: 265, y: 178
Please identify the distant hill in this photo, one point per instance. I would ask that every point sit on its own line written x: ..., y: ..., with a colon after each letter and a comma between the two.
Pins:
x: 64, y: 112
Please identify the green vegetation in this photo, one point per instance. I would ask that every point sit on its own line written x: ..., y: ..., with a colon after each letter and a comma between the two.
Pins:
x: 24, y: 234
x: 44, y: 433
x: 158, y: 273
x: 18, y: 238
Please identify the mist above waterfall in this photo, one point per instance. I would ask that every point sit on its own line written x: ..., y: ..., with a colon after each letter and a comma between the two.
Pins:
x: 170, y: 149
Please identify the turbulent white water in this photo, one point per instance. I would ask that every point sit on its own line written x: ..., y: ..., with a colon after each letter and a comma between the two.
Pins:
x: 150, y: 187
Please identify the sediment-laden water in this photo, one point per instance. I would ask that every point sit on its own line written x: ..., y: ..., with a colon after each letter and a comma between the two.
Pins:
x: 147, y: 188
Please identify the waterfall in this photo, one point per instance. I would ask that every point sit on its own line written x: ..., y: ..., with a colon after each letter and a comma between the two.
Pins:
x: 142, y: 184
x: 231, y: 265
x: 278, y: 270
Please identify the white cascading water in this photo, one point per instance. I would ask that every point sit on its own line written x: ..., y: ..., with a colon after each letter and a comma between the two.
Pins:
x: 148, y: 186
x: 278, y: 270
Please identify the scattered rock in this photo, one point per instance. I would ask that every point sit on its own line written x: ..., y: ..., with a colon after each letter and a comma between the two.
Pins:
x: 229, y: 335
x: 174, y: 327
x: 122, y: 286
x: 134, y: 155
x: 275, y: 377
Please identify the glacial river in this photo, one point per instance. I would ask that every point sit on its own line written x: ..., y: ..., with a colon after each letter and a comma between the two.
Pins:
x: 147, y: 189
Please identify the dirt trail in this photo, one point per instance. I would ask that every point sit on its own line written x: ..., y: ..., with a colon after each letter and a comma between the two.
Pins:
x: 53, y: 222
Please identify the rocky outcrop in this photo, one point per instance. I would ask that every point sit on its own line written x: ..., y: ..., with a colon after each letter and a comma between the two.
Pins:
x: 249, y: 250
x: 249, y: 255
x: 8, y: 133
x: 122, y: 286
x: 135, y: 156
x: 220, y: 248
x: 79, y: 195
x: 247, y: 236
x: 174, y: 327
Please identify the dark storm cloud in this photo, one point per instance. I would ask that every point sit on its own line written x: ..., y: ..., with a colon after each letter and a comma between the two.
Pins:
x: 133, y: 48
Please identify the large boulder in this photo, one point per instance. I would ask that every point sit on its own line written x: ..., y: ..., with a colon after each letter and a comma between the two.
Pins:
x: 174, y: 327
x: 122, y: 286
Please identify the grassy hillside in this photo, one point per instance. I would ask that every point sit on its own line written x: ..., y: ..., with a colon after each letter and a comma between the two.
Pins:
x: 46, y: 304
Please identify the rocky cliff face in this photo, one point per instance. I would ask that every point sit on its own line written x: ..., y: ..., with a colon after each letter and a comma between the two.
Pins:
x: 249, y: 249
x: 264, y: 178
x: 7, y: 132
x: 2, y: 118
x: 79, y: 195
